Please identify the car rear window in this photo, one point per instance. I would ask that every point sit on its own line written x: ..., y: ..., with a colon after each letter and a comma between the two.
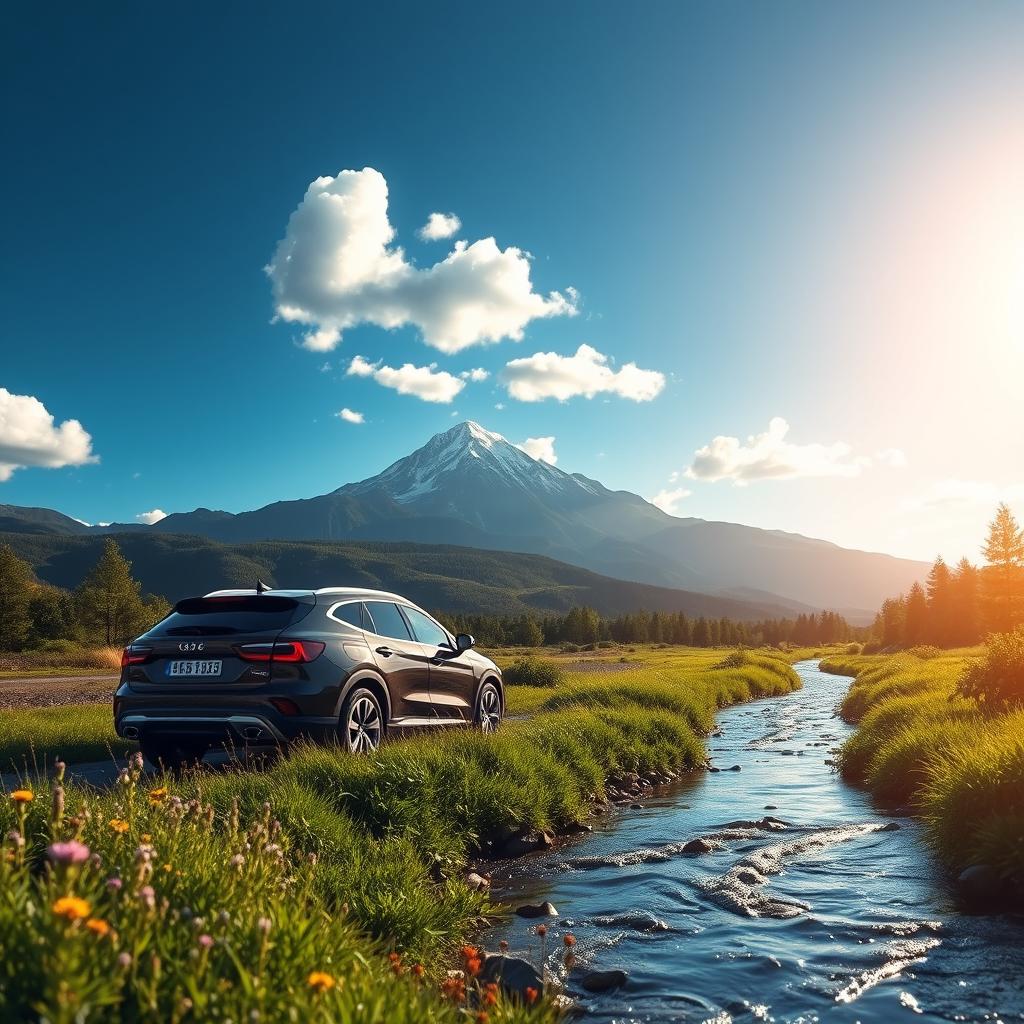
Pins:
x: 222, y: 616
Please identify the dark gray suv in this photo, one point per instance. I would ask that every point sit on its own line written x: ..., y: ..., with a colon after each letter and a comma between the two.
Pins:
x: 264, y: 667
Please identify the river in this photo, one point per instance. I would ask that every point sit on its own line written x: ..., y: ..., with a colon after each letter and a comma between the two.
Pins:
x: 813, y: 905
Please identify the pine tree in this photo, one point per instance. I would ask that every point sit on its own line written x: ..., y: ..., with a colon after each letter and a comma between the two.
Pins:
x: 894, y: 617
x: 1002, y: 578
x: 966, y: 593
x: 15, y: 595
x: 52, y: 612
x: 940, y: 604
x: 916, y: 629
x: 108, y: 601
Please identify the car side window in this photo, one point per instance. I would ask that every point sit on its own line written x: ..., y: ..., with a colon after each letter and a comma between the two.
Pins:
x: 352, y: 613
x: 387, y: 620
x: 426, y: 629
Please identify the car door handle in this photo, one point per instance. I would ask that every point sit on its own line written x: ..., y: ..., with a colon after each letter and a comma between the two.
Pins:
x: 437, y: 661
x: 385, y: 651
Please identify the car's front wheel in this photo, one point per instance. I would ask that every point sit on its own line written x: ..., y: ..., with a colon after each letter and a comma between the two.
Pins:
x: 362, y: 722
x: 488, y: 708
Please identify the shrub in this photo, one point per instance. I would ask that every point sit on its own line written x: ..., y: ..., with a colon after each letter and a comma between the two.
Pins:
x: 924, y: 652
x: 605, y: 644
x: 855, y: 648
x: 568, y: 648
x: 997, y: 680
x: 533, y: 672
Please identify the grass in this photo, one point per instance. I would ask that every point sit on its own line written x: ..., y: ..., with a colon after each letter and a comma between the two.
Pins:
x: 74, y: 732
x: 328, y: 861
x: 919, y: 743
x: 61, y: 658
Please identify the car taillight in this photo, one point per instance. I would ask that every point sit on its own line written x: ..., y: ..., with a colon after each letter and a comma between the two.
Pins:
x: 133, y: 655
x: 283, y: 650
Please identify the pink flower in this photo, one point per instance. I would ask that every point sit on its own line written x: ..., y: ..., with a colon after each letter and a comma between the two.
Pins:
x: 114, y: 884
x: 71, y: 852
x: 206, y: 941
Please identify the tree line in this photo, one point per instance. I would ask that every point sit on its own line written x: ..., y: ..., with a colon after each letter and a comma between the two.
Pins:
x: 108, y: 608
x: 584, y: 626
x: 960, y: 606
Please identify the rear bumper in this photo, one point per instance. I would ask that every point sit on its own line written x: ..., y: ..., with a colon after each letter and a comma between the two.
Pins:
x: 236, y: 727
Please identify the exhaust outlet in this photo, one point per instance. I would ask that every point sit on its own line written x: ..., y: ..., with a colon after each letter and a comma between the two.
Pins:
x: 252, y: 733
x: 131, y: 732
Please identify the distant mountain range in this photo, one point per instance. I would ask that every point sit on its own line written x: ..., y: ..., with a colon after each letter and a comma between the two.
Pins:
x: 470, y: 487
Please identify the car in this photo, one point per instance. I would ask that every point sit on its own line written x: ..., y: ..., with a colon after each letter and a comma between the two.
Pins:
x: 264, y: 667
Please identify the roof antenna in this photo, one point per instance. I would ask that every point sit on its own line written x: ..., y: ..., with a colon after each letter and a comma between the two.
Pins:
x: 260, y: 586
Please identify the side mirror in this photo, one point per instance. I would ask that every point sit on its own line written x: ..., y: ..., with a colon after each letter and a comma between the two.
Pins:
x: 463, y: 642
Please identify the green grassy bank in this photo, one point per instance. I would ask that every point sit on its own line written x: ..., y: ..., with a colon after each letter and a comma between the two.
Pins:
x: 919, y: 743
x: 237, y: 889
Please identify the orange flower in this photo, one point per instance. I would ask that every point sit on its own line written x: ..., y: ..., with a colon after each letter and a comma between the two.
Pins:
x: 158, y: 795
x: 569, y: 939
x: 145, y: 838
x: 531, y: 996
x: 417, y: 970
x: 471, y: 960
x: 482, y: 1017
x: 396, y: 963
x: 490, y: 994
x: 71, y: 907
x: 23, y: 796
x: 119, y: 825
x: 98, y: 927
x: 320, y: 981
x: 542, y: 930
x: 454, y: 988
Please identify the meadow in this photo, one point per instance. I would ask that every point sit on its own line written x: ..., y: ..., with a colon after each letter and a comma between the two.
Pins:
x: 330, y: 886
x: 919, y: 743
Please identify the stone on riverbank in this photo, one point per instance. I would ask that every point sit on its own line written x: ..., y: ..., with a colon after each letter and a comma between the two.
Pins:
x: 604, y: 981
x: 544, y: 909
x: 514, y: 974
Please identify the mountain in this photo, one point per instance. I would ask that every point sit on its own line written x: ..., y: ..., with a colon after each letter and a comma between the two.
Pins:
x: 444, y: 578
x: 471, y: 487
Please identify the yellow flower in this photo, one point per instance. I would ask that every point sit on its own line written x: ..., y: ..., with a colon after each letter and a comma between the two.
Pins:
x: 71, y: 907
x: 320, y: 981
x: 145, y: 838
x: 119, y: 825
x: 98, y: 927
x: 23, y: 796
x: 157, y: 795
x: 167, y: 867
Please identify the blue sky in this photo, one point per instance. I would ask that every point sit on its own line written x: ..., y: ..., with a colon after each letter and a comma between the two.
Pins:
x: 791, y: 211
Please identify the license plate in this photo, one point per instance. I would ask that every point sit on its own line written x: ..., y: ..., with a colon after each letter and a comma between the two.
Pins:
x: 194, y: 668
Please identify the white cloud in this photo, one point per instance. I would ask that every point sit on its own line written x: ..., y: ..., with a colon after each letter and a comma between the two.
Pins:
x: 149, y: 518
x: 336, y: 267
x: 103, y: 524
x: 549, y: 375
x: 426, y: 382
x: 29, y: 437
x: 540, y: 448
x: 439, y: 225
x: 351, y: 416
x: 476, y: 375
x: 894, y: 458
x: 667, y: 499
x: 769, y: 456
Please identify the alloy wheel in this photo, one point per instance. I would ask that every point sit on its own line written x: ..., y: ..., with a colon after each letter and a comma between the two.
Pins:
x: 489, y: 715
x: 363, y: 725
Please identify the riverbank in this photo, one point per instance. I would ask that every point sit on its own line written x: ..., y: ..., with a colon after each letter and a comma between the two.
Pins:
x: 366, y: 855
x: 960, y: 769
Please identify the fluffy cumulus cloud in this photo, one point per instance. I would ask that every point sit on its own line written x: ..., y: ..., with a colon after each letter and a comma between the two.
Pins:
x: 769, y: 456
x: 475, y: 375
x: 439, y: 225
x: 149, y: 518
x: 30, y: 437
x: 351, y: 416
x: 426, y: 382
x: 549, y: 375
x: 540, y: 448
x: 668, y: 499
x: 337, y: 267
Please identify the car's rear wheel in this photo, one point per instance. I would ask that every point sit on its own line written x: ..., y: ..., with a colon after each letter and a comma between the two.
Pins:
x: 362, y: 722
x: 488, y: 708
x: 173, y: 755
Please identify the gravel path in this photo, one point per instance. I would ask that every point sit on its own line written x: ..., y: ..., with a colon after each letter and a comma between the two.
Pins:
x: 47, y: 691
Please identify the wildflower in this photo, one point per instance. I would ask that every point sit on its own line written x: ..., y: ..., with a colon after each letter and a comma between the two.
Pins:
x: 124, y: 961
x: 146, y: 837
x: 71, y: 852
x: 320, y: 981
x: 471, y: 960
x: 454, y: 988
x: 124, y: 779
x: 531, y: 996
x: 23, y: 796
x: 482, y: 1017
x: 542, y: 930
x: 417, y: 970
x: 503, y: 945
x: 136, y: 761
x: 168, y: 868
x: 264, y: 924
x: 158, y: 795
x: 237, y: 861
x: 114, y: 884
x: 98, y: 927
x: 57, y: 804
x: 119, y: 825
x: 59, y: 767
x: 204, y: 940
x: 148, y: 896
x: 490, y: 994
x: 396, y: 963
x: 71, y: 907
x: 569, y: 939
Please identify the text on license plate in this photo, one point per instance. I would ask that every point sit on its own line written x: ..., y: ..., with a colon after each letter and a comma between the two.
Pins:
x: 193, y: 668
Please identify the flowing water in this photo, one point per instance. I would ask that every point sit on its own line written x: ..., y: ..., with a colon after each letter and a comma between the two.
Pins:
x: 812, y: 905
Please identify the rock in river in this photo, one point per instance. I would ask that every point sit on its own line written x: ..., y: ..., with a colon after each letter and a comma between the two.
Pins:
x: 981, y: 882
x: 514, y: 974
x: 604, y: 981
x: 544, y: 909
x: 695, y: 847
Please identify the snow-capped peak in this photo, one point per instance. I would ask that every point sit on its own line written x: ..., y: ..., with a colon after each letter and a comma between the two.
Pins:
x: 467, y: 450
